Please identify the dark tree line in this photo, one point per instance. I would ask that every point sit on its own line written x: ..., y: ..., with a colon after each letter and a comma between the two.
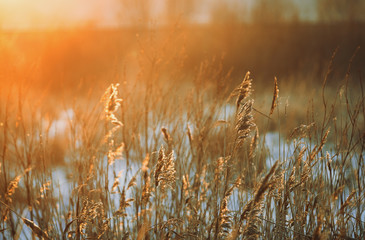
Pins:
x: 140, y: 12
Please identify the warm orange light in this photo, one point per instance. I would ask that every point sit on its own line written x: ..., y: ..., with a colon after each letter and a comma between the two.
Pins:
x: 40, y: 14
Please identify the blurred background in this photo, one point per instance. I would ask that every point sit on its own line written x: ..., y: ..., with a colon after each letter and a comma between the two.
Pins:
x: 67, y: 46
x: 177, y: 62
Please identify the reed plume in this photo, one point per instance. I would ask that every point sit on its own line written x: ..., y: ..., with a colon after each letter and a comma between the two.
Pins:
x: 275, y: 96
x: 244, y: 122
x: 243, y: 90
x: 165, y: 170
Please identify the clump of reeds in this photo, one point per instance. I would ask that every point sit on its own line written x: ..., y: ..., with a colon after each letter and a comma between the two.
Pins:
x: 191, y: 172
x: 249, y: 219
x: 40, y: 233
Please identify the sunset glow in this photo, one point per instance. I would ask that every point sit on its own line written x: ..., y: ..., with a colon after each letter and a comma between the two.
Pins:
x: 182, y: 119
x: 24, y: 14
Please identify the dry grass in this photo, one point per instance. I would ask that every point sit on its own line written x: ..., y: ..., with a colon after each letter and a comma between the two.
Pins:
x: 151, y: 161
